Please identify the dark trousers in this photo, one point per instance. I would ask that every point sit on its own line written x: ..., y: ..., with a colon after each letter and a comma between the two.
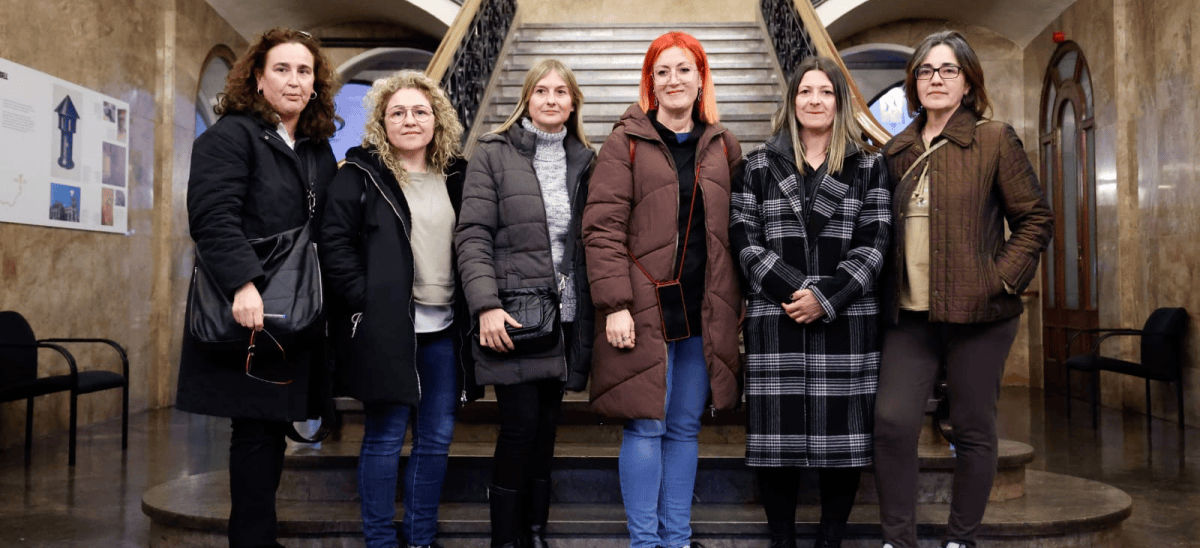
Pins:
x: 255, y: 466
x: 974, y: 356
x: 778, y: 489
x: 529, y: 415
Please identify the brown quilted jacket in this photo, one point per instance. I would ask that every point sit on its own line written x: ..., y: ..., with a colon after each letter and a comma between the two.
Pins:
x: 979, y: 179
x: 634, y: 206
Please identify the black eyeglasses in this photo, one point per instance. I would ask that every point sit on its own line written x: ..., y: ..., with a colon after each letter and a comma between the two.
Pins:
x: 947, y: 72
x: 250, y: 351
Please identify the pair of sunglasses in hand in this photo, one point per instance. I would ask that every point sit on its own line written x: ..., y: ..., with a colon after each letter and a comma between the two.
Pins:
x: 269, y: 355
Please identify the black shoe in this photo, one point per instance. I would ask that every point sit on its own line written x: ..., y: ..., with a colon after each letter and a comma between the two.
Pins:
x: 538, y: 512
x: 504, y: 505
x: 783, y: 535
x: 829, y: 535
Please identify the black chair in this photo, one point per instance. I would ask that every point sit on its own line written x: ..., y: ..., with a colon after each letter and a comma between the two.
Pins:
x: 1162, y: 357
x: 19, y: 379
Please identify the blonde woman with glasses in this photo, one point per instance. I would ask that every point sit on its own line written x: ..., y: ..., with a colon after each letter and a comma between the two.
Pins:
x: 398, y: 315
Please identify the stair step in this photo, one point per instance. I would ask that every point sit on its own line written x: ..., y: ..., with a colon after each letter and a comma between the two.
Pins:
x: 622, y: 45
x: 634, y: 33
x: 587, y: 471
x: 632, y: 63
x: 1062, y: 510
x: 631, y: 78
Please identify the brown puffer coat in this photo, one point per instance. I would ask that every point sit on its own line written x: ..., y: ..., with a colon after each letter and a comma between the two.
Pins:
x: 979, y: 180
x: 634, y: 205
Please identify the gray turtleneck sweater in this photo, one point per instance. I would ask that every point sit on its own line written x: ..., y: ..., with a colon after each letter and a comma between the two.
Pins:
x: 550, y: 165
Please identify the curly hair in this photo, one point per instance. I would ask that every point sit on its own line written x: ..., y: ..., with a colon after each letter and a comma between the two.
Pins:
x: 318, y: 120
x: 447, y: 130
x: 538, y: 71
x: 706, y: 101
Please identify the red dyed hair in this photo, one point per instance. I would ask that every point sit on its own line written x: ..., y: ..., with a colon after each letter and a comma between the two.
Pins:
x: 689, y: 44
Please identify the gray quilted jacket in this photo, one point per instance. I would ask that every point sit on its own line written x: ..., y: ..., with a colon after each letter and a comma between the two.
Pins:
x: 503, y: 242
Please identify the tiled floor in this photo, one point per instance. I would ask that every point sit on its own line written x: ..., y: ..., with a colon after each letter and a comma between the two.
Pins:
x: 98, y: 504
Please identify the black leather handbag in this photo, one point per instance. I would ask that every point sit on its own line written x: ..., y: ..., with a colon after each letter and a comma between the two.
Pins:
x: 291, y: 295
x: 536, y: 309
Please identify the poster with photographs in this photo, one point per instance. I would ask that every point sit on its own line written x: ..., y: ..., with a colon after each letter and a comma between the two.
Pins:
x: 64, y: 153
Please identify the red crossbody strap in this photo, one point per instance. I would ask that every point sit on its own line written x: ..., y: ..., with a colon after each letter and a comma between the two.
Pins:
x: 691, y: 210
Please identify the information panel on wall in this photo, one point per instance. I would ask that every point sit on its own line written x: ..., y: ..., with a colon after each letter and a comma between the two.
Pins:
x: 64, y: 153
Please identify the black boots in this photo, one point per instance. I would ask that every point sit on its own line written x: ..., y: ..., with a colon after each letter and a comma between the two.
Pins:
x: 829, y: 534
x: 538, y: 512
x: 519, y: 519
x: 504, y: 504
x: 783, y: 534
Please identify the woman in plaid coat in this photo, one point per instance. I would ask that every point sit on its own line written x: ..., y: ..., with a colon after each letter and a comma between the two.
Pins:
x: 810, y: 222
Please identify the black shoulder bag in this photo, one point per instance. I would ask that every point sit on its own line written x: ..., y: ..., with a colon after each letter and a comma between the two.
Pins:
x: 291, y: 293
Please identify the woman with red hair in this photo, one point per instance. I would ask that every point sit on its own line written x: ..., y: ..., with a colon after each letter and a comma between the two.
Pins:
x: 656, y: 234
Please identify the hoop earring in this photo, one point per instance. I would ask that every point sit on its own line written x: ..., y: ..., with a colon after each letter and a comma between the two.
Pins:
x: 260, y: 91
x: 313, y: 96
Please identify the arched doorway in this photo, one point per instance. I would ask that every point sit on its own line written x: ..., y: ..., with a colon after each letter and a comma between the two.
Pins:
x: 212, y: 82
x: 878, y: 70
x: 1067, y: 132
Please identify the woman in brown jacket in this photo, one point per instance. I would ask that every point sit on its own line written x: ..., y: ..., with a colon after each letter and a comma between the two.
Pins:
x: 955, y: 284
x: 658, y: 211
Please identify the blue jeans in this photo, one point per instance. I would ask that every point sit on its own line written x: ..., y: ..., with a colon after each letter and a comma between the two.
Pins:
x: 658, y: 457
x: 383, y: 437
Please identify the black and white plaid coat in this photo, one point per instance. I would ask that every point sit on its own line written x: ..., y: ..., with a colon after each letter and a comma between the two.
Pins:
x: 810, y: 388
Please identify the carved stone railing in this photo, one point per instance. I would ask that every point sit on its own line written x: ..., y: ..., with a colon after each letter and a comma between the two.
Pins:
x: 469, y: 52
x: 797, y: 32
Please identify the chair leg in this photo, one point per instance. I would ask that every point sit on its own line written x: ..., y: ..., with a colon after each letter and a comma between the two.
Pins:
x: 28, y: 430
x: 74, y: 415
x: 1149, y: 411
x: 1179, y: 397
x: 125, y: 416
x: 1068, y: 394
x: 1096, y: 400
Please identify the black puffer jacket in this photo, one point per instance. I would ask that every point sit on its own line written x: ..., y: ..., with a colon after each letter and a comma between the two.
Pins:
x: 367, y: 259
x: 503, y: 242
x: 245, y: 182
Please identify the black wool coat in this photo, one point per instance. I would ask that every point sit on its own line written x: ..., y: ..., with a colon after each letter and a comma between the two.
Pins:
x: 503, y: 242
x: 245, y: 182
x: 367, y: 257
x: 810, y: 388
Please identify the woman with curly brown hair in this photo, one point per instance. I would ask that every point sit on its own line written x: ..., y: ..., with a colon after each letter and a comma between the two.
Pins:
x: 397, y: 310
x: 262, y: 169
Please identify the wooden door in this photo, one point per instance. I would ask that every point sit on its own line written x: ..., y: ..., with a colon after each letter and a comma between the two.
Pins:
x: 1069, y: 278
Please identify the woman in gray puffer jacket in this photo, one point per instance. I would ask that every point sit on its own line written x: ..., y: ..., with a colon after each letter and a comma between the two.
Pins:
x: 519, y: 228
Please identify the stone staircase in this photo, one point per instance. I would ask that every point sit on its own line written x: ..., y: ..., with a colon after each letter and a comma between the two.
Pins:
x: 607, y: 61
x: 318, y: 500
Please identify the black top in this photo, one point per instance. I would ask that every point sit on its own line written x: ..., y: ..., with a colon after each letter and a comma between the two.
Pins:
x: 695, y: 256
x: 812, y: 182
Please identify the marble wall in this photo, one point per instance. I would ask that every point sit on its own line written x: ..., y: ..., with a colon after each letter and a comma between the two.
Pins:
x: 1144, y: 56
x: 129, y: 287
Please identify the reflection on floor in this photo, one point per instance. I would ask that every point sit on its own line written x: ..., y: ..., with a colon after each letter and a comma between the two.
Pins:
x: 98, y: 504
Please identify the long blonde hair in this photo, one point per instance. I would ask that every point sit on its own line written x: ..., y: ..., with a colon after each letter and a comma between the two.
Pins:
x: 846, y: 133
x: 447, y: 132
x: 574, y: 123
